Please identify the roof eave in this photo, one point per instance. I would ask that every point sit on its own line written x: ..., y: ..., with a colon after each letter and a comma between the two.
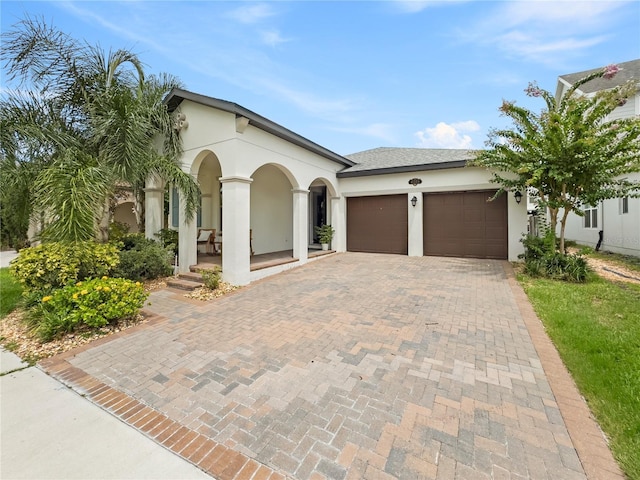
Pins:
x: 403, y: 169
x: 177, y: 95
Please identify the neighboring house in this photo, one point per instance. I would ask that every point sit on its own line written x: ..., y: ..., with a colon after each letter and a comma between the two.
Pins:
x: 258, y: 176
x: 618, y: 219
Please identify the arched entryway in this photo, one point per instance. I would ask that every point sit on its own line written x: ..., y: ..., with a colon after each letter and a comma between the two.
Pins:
x: 210, y: 210
x: 271, y: 217
x: 125, y: 213
x: 321, y: 197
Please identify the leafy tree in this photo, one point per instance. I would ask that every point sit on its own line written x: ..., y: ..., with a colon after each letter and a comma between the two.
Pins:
x: 89, y: 123
x: 568, y: 155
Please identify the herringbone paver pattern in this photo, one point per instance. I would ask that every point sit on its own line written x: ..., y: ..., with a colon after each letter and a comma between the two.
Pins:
x: 356, y: 366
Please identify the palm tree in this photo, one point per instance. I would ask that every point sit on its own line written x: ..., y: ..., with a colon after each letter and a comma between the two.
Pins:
x: 95, y: 121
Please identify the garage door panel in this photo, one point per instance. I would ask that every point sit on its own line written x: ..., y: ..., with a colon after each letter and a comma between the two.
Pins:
x: 377, y: 224
x: 465, y: 224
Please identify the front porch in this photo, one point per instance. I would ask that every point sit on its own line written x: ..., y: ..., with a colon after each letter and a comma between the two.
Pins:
x: 261, y: 261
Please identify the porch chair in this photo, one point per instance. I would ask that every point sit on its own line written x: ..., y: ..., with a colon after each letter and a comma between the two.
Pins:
x: 207, y: 238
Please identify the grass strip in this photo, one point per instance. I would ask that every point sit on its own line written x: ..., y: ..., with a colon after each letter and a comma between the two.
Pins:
x: 10, y: 292
x: 596, y: 329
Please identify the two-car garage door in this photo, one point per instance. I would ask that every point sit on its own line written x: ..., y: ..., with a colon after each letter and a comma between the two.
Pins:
x: 457, y: 224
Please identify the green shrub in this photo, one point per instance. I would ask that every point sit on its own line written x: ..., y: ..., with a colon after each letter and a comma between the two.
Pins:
x: 117, y: 231
x: 144, y: 259
x: 135, y: 241
x: 211, y: 277
x: 169, y: 238
x: 559, y: 266
x: 56, y: 264
x: 94, y: 303
x: 536, y: 247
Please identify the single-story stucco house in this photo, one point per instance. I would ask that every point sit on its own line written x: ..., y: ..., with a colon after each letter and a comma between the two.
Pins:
x: 265, y: 188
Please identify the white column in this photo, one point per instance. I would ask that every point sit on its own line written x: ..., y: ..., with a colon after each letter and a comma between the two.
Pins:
x: 187, y: 239
x: 236, y: 210
x: 153, y: 206
x: 415, y: 248
x: 301, y: 224
x: 337, y: 220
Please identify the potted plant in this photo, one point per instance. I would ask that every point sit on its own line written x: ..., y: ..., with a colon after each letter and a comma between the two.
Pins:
x: 325, y: 234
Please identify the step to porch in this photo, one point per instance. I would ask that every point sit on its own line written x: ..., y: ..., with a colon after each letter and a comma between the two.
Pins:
x: 188, y: 281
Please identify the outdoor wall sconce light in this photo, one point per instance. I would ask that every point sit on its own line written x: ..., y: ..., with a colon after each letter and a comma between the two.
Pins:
x: 518, y: 197
x: 180, y: 122
x: 414, y: 201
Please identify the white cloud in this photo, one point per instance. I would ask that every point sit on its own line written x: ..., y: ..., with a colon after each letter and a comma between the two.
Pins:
x: 445, y: 135
x: 571, y: 14
x: 323, y: 107
x: 536, y: 48
x: 543, y: 31
x: 273, y: 38
x: 251, y: 13
x: 415, y: 6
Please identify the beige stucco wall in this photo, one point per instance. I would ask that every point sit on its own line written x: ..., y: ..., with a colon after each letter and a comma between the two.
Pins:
x: 271, y: 211
x: 262, y: 178
x: 448, y: 180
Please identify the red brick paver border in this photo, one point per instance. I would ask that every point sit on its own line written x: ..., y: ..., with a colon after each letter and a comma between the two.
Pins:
x: 220, y: 461
x: 588, y: 439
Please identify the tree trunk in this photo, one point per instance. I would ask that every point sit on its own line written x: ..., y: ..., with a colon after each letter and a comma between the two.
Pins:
x: 138, y: 199
x: 553, y: 223
x: 102, y: 233
x: 563, y: 223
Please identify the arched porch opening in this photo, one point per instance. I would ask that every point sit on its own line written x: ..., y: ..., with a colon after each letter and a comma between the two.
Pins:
x: 271, y: 216
x: 125, y: 213
x: 321, y: 192
x: 208, y: 176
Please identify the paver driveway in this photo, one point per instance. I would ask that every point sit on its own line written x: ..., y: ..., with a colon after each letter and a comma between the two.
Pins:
x: 355, y: 366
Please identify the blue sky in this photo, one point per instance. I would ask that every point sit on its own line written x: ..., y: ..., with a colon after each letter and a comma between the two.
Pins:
x: 358, y: 75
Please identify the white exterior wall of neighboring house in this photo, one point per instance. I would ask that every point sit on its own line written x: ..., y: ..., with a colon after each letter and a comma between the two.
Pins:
x: 262, y: 182
x: 621, y: 232
x: 445, y: 180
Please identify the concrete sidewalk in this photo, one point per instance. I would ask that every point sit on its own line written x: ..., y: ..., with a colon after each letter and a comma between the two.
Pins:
x: 6, y: 257
x: 47, y: 431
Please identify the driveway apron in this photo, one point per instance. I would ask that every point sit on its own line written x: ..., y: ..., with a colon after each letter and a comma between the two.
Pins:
x: 355, y: 366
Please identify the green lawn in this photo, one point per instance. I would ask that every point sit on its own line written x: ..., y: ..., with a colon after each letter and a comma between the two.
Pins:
x: 10, y: 292
x: 596, y: 328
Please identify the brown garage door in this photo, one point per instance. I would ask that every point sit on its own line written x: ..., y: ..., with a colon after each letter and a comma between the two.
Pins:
x: 465, y: 224
x: 377, y: 224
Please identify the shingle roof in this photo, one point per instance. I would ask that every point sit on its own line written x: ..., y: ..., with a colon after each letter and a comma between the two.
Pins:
x: 629, y: 70
x: 383, y: 160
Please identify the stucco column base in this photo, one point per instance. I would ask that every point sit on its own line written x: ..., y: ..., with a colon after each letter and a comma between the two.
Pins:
x: 415, y: 221
x: 236, y: 209
x: 187, y: 240
x: 154, y: 207
x: 338, y: 221
x: 301, y: 224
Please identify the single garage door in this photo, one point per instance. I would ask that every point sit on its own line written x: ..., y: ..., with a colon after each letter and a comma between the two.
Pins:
x: 377, y: 224
x: 465, y: 224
